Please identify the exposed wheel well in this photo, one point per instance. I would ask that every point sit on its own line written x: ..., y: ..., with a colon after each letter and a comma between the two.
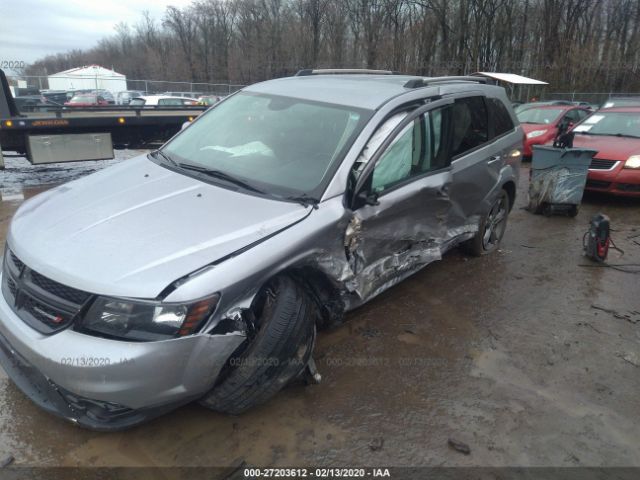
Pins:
x: 510, y: 188
x: 325, y: 293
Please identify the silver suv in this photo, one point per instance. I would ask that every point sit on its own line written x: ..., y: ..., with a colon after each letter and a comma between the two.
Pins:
x: 202, y: 270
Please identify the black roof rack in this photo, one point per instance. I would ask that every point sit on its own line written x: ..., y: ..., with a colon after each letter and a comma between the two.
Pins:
x: 425, y: 82
x: 342, y: 71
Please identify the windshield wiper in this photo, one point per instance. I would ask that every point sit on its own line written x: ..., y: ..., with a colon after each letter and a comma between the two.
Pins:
x: 165, y: 157
x: 304, y: 200
x: 625, y: 135
x: 220, y: 175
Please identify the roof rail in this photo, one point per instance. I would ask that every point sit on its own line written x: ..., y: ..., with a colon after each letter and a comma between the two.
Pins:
x: 425, y: 82
x: 342, y: 71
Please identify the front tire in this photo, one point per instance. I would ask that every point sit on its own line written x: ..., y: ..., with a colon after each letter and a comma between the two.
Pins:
x: 491, y: 228
x: 278, y: 352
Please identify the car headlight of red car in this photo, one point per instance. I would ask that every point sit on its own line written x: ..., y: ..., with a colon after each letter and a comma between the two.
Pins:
x: 632, y: 162
x: 536, y: 133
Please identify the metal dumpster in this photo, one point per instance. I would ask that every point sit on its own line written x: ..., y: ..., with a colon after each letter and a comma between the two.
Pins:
x: 558, y: 177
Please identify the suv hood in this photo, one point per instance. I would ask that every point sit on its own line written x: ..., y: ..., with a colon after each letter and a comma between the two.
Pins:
x: 132, y: 229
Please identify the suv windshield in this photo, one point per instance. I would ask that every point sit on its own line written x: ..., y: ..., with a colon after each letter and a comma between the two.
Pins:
x: 281, y: 145
x: 539, y: 115
x: 626, y: 124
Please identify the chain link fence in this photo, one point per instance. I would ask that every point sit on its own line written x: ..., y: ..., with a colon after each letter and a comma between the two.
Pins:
x: 597, y: 98
x: 32, y: 85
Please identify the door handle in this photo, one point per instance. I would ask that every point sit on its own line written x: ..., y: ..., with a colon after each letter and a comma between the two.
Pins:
x: 494, y: 159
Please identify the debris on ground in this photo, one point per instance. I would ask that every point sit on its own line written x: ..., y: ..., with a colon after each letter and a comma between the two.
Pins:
x: 376, y: 443
x: 459, y: 446
x: 587, y: 324
x: 630, y: 358
x: 632, y: 317
x: 6, y: 461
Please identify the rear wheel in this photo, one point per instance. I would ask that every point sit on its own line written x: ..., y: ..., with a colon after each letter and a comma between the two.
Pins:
x: 573, y: 211
x: 492, y: 227
x: 276, y: 354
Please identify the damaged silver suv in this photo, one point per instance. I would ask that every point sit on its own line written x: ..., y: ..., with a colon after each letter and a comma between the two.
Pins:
x: 202, y: 270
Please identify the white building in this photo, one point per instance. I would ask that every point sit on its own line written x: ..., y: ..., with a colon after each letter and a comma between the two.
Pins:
x: 92, y: 77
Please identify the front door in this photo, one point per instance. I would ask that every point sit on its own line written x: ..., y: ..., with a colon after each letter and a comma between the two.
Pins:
x: 402, y: 205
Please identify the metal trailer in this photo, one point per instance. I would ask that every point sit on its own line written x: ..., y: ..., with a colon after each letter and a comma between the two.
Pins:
x: 67, y: 135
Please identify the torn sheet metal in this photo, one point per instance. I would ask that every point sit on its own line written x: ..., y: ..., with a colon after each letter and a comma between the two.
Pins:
x: 389, y: 270
x: 360, y: 278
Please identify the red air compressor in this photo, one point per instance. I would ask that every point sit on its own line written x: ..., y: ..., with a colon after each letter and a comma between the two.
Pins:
x: 596, y: 241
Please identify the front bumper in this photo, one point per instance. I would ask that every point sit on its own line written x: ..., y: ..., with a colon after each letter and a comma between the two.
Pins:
x: 107, y: 384
x: 619, y: 181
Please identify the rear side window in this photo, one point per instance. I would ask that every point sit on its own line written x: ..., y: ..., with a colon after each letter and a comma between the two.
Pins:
x: 470, y: 125
x: 502, y: 122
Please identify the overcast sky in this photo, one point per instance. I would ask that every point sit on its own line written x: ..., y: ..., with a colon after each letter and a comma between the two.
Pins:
x: 30, y: 29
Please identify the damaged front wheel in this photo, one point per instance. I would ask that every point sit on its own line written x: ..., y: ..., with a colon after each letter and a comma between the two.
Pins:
x: 277, y: 353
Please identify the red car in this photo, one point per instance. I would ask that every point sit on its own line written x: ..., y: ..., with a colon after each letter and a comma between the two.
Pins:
x: 540, y: 124
x: 615, y: 134
x: 86, y: 100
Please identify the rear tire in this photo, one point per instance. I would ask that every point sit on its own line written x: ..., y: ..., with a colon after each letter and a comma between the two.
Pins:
x: 277, y: 354
x: 491, y: 228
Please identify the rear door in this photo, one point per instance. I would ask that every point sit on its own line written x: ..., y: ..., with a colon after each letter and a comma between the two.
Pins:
x: 477, y: 157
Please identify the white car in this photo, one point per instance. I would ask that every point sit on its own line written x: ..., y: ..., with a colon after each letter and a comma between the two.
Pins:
x: 162, y: 101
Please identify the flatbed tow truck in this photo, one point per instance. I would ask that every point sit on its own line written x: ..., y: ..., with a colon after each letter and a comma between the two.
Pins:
x: 74, y: 134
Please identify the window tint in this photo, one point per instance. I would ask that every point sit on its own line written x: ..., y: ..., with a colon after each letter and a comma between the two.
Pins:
x: 470, y: 125
x: 502, y: 122
x: 418, y: 149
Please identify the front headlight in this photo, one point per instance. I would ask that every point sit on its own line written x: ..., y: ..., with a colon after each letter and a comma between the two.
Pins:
x: 536, y: 133
x: 146, y: 320
x: 632, y: 162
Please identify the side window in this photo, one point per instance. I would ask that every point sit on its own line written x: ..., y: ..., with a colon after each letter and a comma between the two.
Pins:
x: 502, y: 122
x: 582, y: 114
x: 418, y: 149
x: 573, y: 116
x: 470, y: 125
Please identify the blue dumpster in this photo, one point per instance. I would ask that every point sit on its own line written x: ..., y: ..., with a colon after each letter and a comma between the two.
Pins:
x: 558, y: 177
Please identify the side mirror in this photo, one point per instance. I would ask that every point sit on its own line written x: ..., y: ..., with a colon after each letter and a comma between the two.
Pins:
x: 367, y: 198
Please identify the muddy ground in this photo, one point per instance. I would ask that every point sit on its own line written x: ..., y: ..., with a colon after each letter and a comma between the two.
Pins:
x: 505, y: 353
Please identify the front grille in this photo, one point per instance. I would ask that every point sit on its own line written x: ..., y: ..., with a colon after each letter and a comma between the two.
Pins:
x: 628, y: 187
x: 42, y: 303
x: 12, y: 287
x: 44, y: 314
x: 16, y: 261
x: 602, y: 164
x: 57, y: 289
x: 598, y: 184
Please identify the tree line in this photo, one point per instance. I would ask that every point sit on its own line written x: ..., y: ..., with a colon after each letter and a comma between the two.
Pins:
x: 575, y: 45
